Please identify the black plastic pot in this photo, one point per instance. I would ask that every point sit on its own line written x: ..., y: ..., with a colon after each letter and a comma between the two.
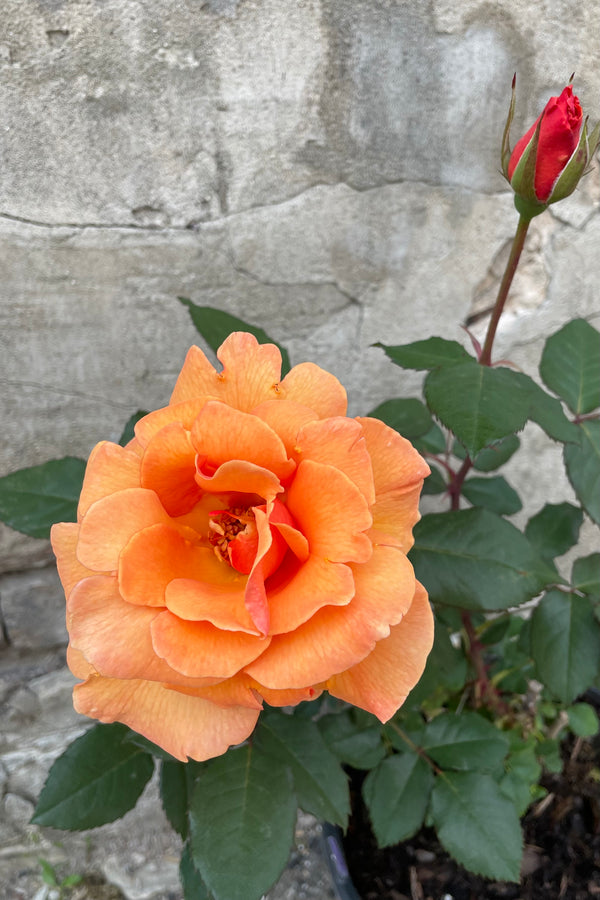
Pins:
x: 331, y: 837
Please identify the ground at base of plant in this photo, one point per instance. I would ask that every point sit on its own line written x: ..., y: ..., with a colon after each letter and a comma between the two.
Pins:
x: 562, y: 847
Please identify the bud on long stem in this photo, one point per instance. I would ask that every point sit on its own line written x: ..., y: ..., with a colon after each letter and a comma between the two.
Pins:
x: 511, y: 267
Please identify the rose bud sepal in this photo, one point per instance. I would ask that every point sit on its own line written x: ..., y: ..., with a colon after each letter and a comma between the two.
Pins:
x: 577, y: 165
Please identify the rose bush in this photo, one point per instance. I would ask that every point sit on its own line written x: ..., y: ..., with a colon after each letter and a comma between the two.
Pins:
x: 549, y: 160
x: 248, y: 544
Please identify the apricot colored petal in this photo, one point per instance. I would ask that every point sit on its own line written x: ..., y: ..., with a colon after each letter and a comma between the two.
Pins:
x: 221, y: 433
x: 236, y: 691
x: 382, y: 681
x: 251, y: 373
x: 169, y: 469
x: 339, y: 442
x: 183, y: 725
x: 396, y: 463
x: 78, y: 664
x: 198, y: 649
x: 294, y: 539
x: 111, y: 522
x: 239, y: 476
x: 394, y: 516
x: 64, y: 537
x: 221, y: 604
x: 290, y: 697
x: 336, y: 638
x: 110, y: 468
x: 286, y: 418
x: 315, y: 584
x: 154, y: 557
x: 330, y: 512
x: 114, y: 636
x: 314, y: 387
x: 184, y: 413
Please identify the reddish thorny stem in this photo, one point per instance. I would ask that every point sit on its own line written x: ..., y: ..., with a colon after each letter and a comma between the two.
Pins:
x: 484, y: 690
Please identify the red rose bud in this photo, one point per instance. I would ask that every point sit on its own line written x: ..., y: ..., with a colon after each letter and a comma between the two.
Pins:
x: 549, y: 160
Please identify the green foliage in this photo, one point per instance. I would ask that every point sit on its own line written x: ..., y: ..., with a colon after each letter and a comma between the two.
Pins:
x: 582, y: 462
x: 319, y: 781
x: 410, y: 418
x: 478, y: 404
x: 554, y: 529
x: 493, y: 456
x: 464, y: 742
x: 396, y: 793
x: 570, y: 365
x: 477, y: 824
x: 353, y: 743
x: 457, y: 553
x: 586, y: 575
x: 565, y: 644
x: 429, y: 354
x: 494, y: 494
x: 583, y: 720
x: 32, y: 500
x: 243, y: 809
x: 98, y: 778
x: 215, y: 325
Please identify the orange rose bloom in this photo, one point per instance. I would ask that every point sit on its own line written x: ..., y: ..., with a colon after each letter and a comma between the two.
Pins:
x: 248, y: 544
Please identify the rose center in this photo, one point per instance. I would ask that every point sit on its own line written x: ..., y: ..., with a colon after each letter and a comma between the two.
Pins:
x: 228, y: 524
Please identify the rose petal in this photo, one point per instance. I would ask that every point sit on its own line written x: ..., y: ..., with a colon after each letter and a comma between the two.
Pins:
x: 396, y: 463
x: 169, y: 469
x: 183, y: 725
x: 64, y: 537
x: 251, y: 373
x: 286, y: 418
x: 286, y: 698
x: 221, y: 434
x: 395, y: 514
x: 330, y: 512
x: 336, y: 638
x: 113, y: 635
x: 338, y: 442
x: 204, y: 601
x: 182, y: 413
x: 238, y: 476
x: 236, y: 691
x: 382, y: 681
x: 314, y: 387
x: 315, y: 584
x: 110, y: 468
x: 198, y: 649
x: 111, y: 522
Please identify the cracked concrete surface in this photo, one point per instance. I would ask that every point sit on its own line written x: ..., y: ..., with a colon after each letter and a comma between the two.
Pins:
x: 327, y: 170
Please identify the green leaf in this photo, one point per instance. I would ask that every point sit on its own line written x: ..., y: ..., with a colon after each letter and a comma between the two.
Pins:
x: 97, y: 779
x: 433, y: 441
x: 492, y: 457
x: 32, y: 500
x: 410, y: 418
x: 429, y: 354
x: 478, y: 404
x: 547, y: 412
x: 554, y: 529
x: 492, y: 493
x: 242, y: 820
x: 128, y: 431
x: 583, y: 720
x: 191, y: 879
x: 177, y: 781
x: 396, y: 794
x: 523, y: 773
x: 148, y: 746
x: 565, y: 644
x: 570, y: 365
x: 477, y: 824
x: 319, y: 780
x: 585, y: 576
x: 215, y: 325
x: 434, y: 483
x: 48, y: 873
x: 548, y: 752
x: 466, y: 741
x: 472, y: 558
x: 582, y: 462
x: 356, y: 745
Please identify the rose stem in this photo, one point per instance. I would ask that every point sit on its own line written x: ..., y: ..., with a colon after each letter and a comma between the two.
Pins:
x: 484, y: 689
x: 511, y: 267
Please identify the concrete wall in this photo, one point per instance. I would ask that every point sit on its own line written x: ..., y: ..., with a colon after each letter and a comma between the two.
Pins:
x: 328, y: 169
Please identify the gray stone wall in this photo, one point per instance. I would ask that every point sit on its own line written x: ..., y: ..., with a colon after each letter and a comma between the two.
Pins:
x: 328, y: 169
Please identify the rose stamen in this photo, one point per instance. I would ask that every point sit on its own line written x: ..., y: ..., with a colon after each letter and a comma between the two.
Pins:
x: 226, y: 525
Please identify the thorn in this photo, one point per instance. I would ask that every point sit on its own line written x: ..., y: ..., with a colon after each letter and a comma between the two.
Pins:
x: 514, y: 81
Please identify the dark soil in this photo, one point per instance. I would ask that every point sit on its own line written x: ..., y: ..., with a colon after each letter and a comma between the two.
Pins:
x: 561, y: 859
